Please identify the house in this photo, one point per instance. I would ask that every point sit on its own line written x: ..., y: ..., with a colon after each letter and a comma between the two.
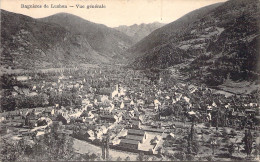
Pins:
x: 87, y: 114
x: 121, y: 91
x: 135, y: 124
x: 192, y: 88
x: 2, y: 117
x: 83, y: 134
x: 90, y: 134
x: 85, y: 102
x: 44, y: 121
x: 133, y: 139
x: 137, y: 132
x: 24, y: 91
x: 122, y: 105
x: 127, y: 116
x: 168, y: 126
x: 102, y: 100
x: 110, y: 118
x: 75, y: 114
x: 106, y: 110
x: 151, y: 106
x: 250, y: 111
x: 140, y: 102
x: 133, y: 114
x: 32, y: 94
x: 170, y: 136
x: 14, y: 94
x: 23, y: 78
x: 253, y: 104
x: 108, y: 92
x: 127, y: 102
x: 115, y: 93
x: 49, y: 111
x: 132, y: 103
x: 129, y: 144
x: 63, y: 118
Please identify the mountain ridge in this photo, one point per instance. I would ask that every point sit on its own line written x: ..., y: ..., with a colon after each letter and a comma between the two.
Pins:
x: 138, y: 32
x: 99, y: 35
x: 223, y: 42
x: 40, y: 43
x: 160, y: 35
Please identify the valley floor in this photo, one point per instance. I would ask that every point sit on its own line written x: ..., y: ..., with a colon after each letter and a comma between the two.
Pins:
x: 94, y: 103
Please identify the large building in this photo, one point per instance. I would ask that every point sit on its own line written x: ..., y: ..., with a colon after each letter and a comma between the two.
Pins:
x: 133, y: 139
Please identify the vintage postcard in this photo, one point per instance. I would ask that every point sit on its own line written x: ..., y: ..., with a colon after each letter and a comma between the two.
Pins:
x: 130, y: 80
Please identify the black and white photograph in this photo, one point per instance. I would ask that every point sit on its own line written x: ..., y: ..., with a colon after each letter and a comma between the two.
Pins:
x: 129, y: 80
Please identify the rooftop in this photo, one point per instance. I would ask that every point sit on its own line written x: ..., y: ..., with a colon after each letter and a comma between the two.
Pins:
x: 129, y: 141
x: 133, y: 137
x: 136, y: 132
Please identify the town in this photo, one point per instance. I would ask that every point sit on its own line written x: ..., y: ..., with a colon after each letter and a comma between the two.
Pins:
x: 117, y: 113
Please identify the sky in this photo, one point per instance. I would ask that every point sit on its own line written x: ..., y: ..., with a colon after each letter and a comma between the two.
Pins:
x: 115, y: 13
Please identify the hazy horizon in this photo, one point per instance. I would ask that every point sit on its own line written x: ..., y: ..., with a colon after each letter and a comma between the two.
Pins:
x: 116, y: 13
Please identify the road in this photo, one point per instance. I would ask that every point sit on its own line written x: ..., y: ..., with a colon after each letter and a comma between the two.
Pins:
x: 83, y: 147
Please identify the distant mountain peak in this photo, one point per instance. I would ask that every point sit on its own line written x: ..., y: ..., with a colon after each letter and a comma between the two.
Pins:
x: 138, y: 32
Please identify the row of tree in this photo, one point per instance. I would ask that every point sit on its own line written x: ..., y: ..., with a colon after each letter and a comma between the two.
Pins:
x: 53, y: 146
x: 40, y: 100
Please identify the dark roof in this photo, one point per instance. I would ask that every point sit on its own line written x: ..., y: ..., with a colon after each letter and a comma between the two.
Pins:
x: 129, y: 141
x: 107, y: 116
x: 238, y: 113
x: 105, y: 91
x: 136, y: 131
x: 155, y: 130
x: 135, y: 122
x: 249, y: 110
x: 133, y: 137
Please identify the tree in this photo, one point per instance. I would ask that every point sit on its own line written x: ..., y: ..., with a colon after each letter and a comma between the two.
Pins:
x: 154, y: 158
x: 93, y: 157
x: 191, y: 135
x: 160, y: 151
x: 127, y: 158
x: 233, y: 133
x: 119, y: 159
x: 190, y: 157
x: 231, y: 148
x: 180, y: 155
x: 257, y: 150
x: 217, y: 120
x: 103, y: 149
x: 140, y: 157
x: 213, y: 144
x: 248, y: 142
x: 89, y: 157
x: 9, y: 151
x: 193, y: 144
x: 107, y: 144
x: 210, y: 158
x: 52, y: 146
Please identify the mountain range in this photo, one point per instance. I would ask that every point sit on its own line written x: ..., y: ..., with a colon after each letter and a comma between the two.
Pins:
x: 58, y: 40
x: 210, y: 44
x: 138, y: 32
x: 168, y: 32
